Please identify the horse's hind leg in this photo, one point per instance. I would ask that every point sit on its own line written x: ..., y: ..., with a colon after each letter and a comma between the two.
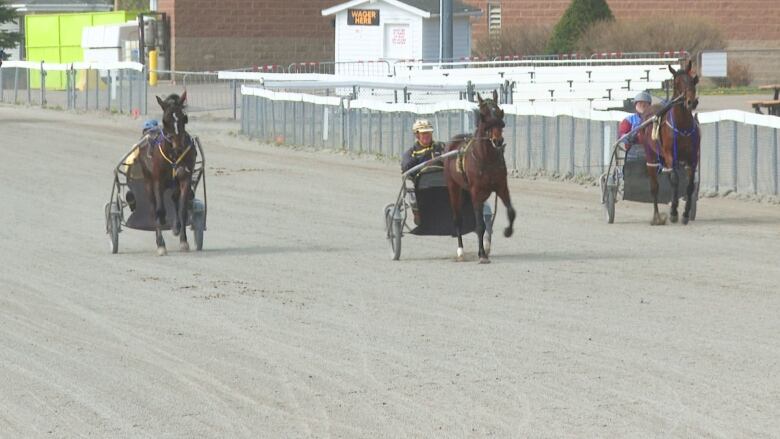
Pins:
x: 658, y: 218
x: 159, y: 209
x: 674, y: 179
x: 455, y: 204
x: 691, y: 171
x: 503, y: 193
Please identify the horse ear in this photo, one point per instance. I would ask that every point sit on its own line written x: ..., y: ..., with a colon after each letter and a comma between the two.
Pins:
x: 495, y: 96
x: 479, y: 98
x: 160, y: 101
x: 183, y: 97
x: 671, y: 69
x: 688, y: 67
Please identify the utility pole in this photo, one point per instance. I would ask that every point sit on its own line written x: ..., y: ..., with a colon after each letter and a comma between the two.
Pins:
x: 445, y: 21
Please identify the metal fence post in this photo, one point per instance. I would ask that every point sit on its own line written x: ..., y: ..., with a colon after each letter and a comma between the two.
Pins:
x: 146, y: 91
x: 391, y: 133
x: 734, y: 156
x: 528, y: 141
x: 571, y: 146
x: 774, y: 163
x: 588, y: 157
x: 754, y: 159
x: 108, y: 91
x: 284, y: 120
x: 603, y: 143
x: 16, y: 85
x: 558, y: 144
x: 29, y: 88
x: 514, y: 141
x: 717, y: 157
x: 544, y: 143
x: 235, y: 100
x: 121, y: 78
x: 43, y: 86
x: 380, y: 133
x: 97, y: 90
x: 2, y: 86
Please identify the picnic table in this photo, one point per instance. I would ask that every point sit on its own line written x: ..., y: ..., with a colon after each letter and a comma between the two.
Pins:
x: 772, y: 106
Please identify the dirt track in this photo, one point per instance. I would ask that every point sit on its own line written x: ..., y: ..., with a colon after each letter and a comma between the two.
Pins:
x: 293, y: 322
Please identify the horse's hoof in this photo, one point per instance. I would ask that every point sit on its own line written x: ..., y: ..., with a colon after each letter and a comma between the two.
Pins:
x: 508, y: 232
x: 673, y: 218
x: 484, y: 260
x: 184, y: 246
x: 459, y: 255
x: 161, y: 251
x: 685, y: 220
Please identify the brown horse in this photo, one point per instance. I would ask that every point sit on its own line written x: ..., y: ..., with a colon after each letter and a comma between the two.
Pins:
x: 168, y: 163
x: 480, y: 170
x: 677, y: 146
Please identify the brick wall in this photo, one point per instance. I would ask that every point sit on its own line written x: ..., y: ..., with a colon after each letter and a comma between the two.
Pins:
x: 208, y: 34
x: 739, y: 20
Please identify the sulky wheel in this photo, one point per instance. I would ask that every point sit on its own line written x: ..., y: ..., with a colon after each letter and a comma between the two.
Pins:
x: 198, y: 223
x: 609, y: 203
x: 394, y: 228
x: 113, y: 226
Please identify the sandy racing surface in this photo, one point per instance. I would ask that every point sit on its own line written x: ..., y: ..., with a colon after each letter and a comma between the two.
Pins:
x: 293, y: 321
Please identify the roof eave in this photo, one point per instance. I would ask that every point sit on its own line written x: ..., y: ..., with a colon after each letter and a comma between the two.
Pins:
x: 400, y: 5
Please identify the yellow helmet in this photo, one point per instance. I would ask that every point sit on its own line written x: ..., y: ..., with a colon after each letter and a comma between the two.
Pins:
x: 422, y: 126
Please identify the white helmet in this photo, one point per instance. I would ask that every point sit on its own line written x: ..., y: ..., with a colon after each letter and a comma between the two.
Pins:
x: 422, y: 126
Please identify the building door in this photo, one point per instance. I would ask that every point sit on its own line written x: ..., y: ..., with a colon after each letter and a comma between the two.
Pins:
x: 397, y: 44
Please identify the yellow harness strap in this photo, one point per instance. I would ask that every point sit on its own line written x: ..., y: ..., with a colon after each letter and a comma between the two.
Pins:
x: 461, y: 162
x: 171, y: 162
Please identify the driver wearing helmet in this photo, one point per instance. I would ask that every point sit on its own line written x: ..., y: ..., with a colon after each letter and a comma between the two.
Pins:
x: 424, y: 147
x: 642, y: 103
x: 149, y: 126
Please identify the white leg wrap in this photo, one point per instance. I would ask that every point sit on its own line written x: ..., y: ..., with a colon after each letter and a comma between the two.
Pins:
x: 460, y: 252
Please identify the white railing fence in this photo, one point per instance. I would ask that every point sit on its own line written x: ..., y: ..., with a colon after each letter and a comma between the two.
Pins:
x: 739, y: 149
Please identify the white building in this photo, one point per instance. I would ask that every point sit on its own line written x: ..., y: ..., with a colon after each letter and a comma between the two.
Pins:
x: 368, y: 30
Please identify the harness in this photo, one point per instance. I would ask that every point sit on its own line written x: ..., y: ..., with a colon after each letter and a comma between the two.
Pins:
x: 692, y: 132
x: 160, y: 140
x: 460, y: 162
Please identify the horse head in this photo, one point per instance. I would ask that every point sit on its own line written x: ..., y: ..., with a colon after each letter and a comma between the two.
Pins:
x: 685, y: 85
x: 174, y: 118
x: 491, y: 119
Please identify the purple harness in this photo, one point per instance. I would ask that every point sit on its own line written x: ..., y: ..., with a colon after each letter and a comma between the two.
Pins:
x: 691, y: 132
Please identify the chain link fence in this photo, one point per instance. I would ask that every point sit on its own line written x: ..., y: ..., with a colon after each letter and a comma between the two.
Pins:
x: 75, y: 86
x: 736, y: 156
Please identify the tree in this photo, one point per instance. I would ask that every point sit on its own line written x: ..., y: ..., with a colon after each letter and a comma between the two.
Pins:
x: 8, y: 15
x: 579, y: 16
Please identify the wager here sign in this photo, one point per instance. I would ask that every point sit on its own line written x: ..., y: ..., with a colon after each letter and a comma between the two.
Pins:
x: 363, y: 17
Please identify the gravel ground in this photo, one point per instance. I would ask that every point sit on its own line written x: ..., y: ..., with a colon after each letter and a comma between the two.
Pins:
x: 293, y: 321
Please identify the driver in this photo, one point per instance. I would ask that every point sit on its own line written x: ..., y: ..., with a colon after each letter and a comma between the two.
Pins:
x: 424, y: 149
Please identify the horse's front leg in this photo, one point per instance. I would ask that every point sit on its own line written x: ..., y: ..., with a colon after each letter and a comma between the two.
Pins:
x: 503, y: 193
x: 674, y: 179
x: 479, y: 220
x: 691, y: 171
x: 181, y: 212
x: 159, y: 210
x: 658, y: 218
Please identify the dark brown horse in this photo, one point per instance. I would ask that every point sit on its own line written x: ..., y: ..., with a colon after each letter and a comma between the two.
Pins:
x: 168, y: 163
x: 480, y: 170
x: 678, y: 144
